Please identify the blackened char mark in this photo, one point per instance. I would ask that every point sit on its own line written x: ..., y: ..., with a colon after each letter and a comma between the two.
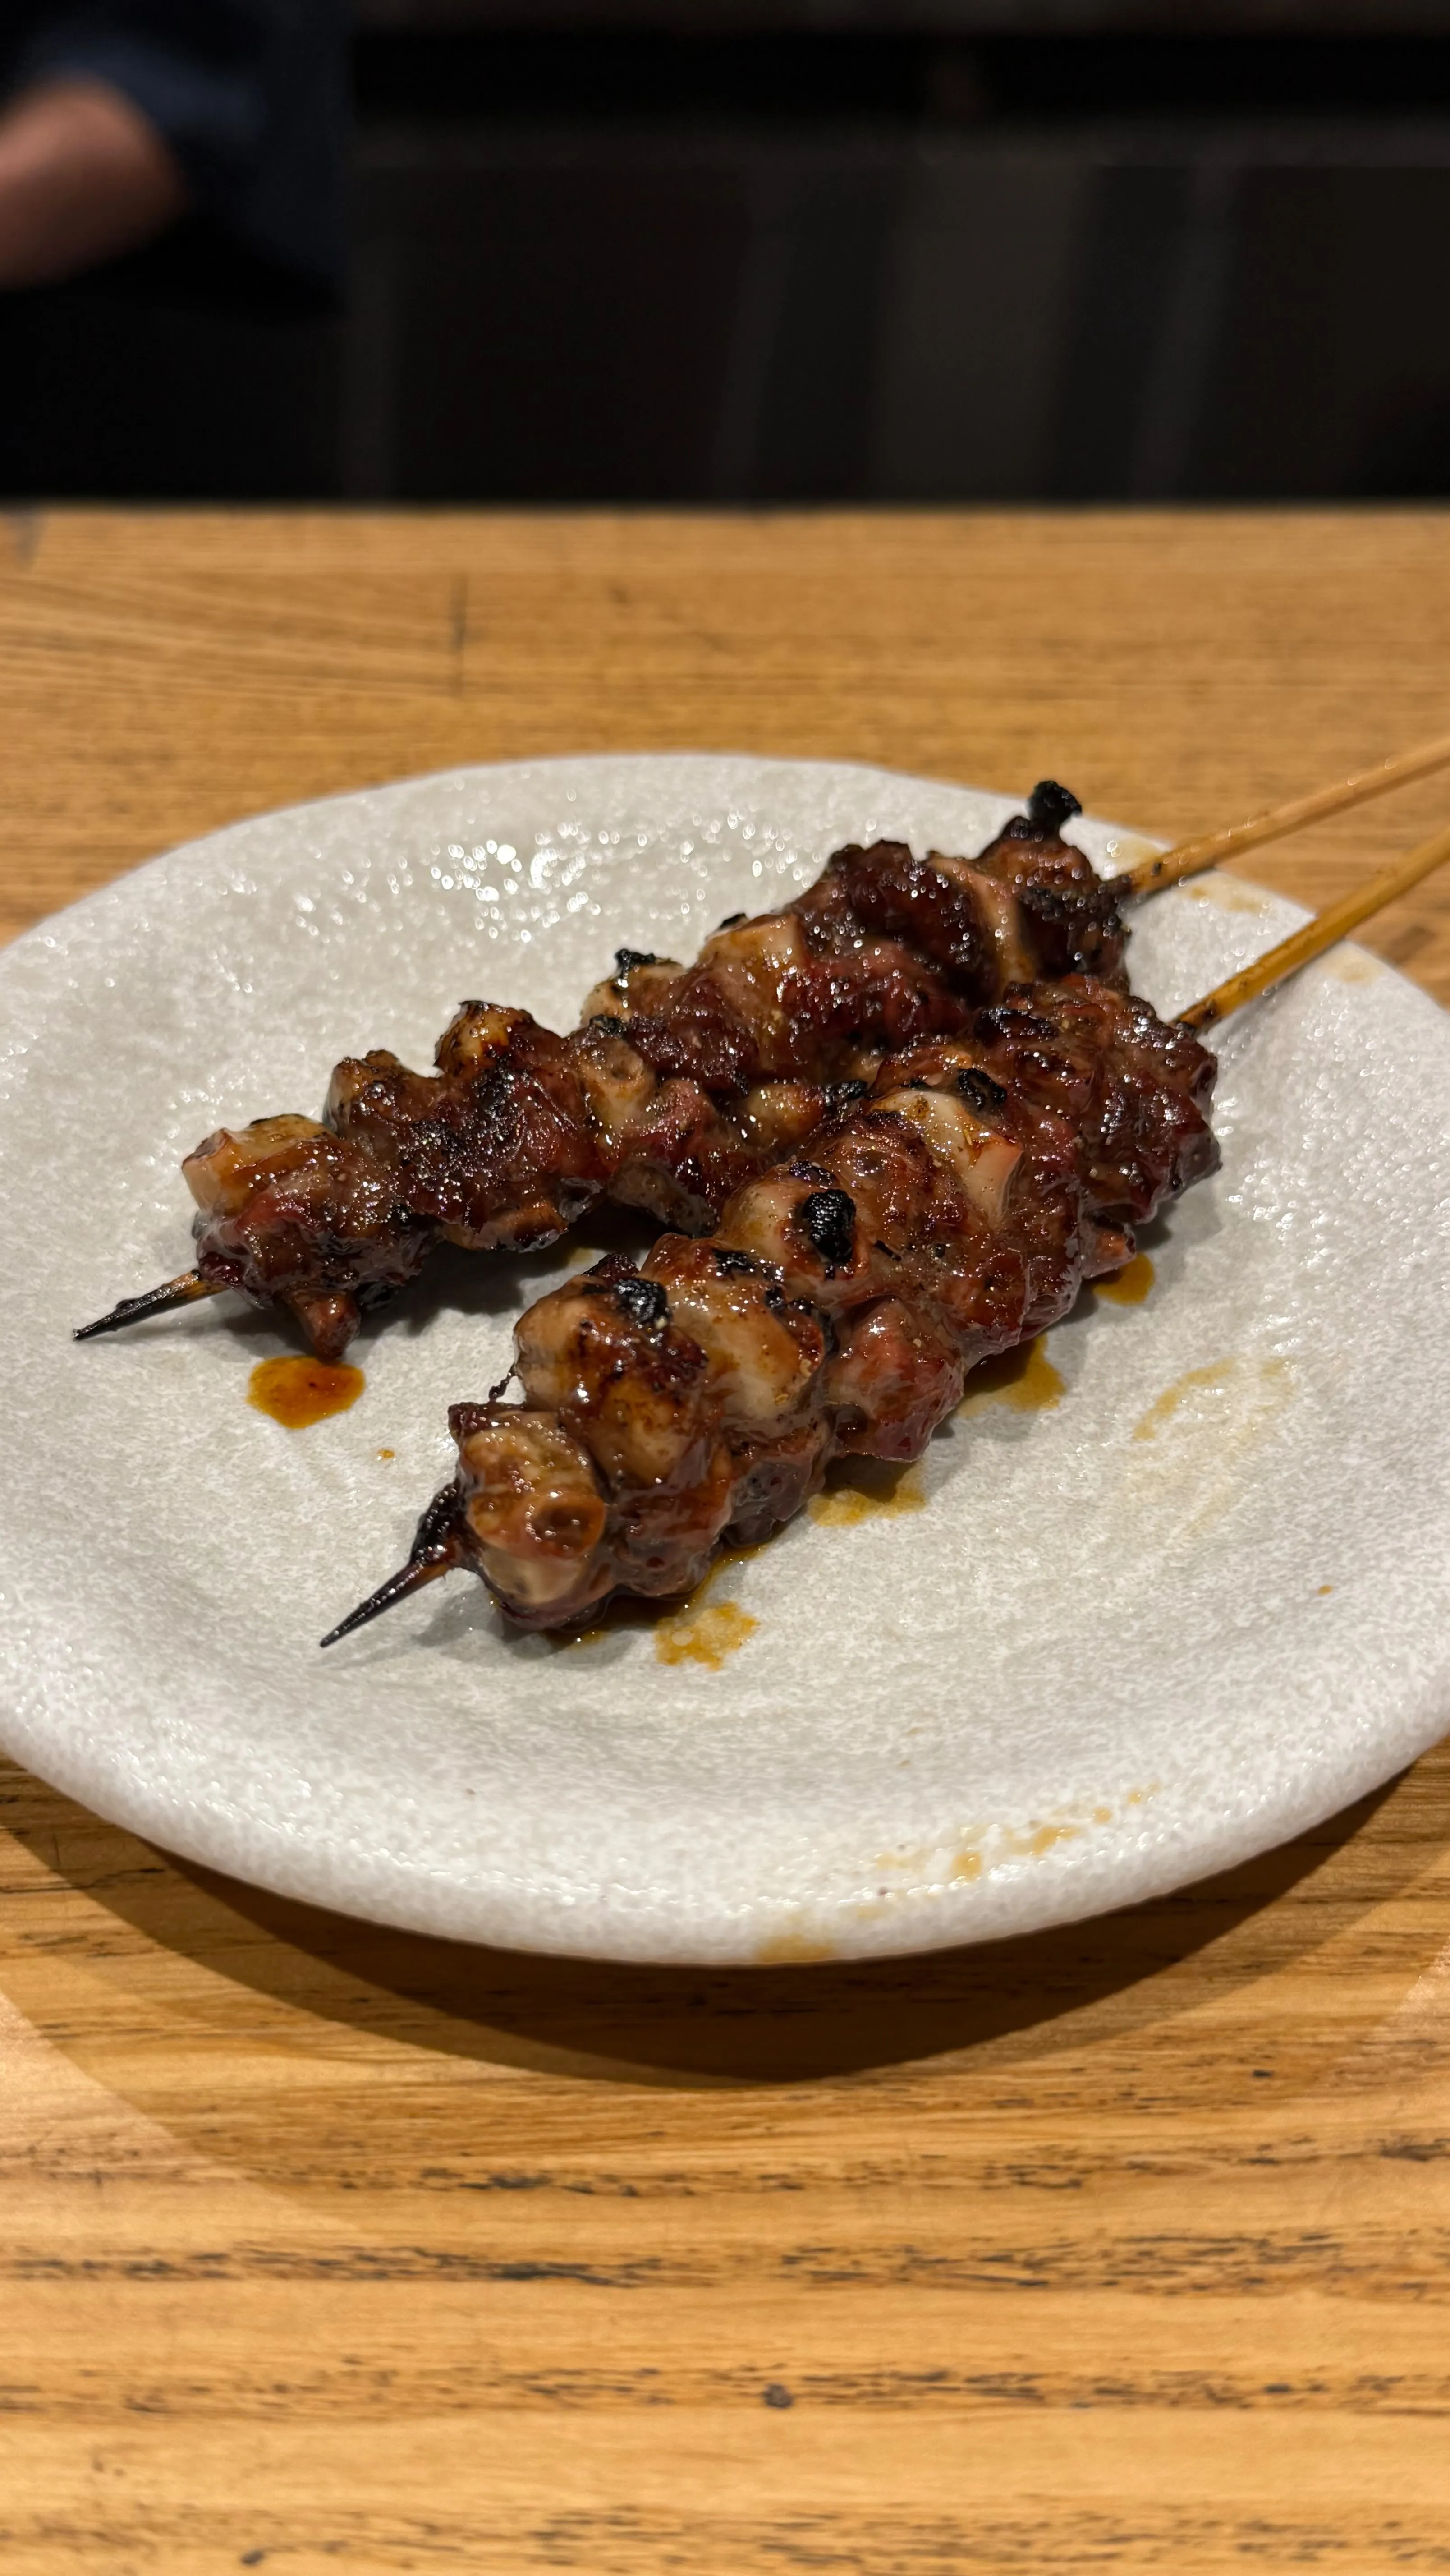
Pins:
x: 828, y: 1220
x: 644, y: 1300
x: 979, y: 1090
x: 1050, y: 806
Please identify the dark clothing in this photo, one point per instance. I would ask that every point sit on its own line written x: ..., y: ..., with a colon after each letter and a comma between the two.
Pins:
x: 204, y: 366
x: 250, y: 95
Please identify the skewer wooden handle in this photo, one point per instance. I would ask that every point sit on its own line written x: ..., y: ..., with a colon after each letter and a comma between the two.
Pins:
x: 1190, y: 858
x: 1325, y: 931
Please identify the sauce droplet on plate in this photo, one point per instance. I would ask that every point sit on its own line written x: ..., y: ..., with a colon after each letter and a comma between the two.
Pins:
x: 299, y: 1391
x: 1024, y: 1378
x: 704, y: 1636
x: 688, y: 1630
x: 1130, y: 1285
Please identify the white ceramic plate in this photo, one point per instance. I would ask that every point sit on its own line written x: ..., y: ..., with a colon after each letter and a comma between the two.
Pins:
x: 1197, y: 1604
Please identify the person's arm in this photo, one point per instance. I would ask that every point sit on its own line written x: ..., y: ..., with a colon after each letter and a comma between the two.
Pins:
x: 84, y: 176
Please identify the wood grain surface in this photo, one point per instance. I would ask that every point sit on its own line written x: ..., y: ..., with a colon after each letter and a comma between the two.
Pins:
x: 323, y: 2247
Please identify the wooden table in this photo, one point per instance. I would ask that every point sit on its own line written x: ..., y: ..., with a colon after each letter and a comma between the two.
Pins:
x: 328, y: 2248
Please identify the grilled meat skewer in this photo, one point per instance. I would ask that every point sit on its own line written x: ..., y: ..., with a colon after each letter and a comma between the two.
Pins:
x: 954, y: 1211
x: 680, y: 1082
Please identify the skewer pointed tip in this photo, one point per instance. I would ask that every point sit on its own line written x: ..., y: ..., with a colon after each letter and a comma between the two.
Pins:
x: 156, y: 1301
x: 409, y: 1578
x: 435, y: 1551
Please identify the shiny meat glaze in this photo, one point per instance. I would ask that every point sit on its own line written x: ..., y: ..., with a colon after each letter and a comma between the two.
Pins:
x: 952, y: 1213
x: 679, y: 1084
x: 496, y: 1151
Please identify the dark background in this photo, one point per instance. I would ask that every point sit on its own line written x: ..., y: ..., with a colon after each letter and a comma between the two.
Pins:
x: 811, y: 251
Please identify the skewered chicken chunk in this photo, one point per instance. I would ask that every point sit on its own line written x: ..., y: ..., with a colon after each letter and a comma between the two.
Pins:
x: 954, y: 1211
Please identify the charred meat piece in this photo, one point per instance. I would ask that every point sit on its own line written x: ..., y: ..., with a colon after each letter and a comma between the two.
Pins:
x: 1030, y: 907
x: 495, y: 1149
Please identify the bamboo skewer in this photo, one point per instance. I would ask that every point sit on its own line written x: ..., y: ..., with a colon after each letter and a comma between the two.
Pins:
x: 434, y: 1552
x: 1191, y: 858
x: 153, y: 1301
x: 1324, y: 931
